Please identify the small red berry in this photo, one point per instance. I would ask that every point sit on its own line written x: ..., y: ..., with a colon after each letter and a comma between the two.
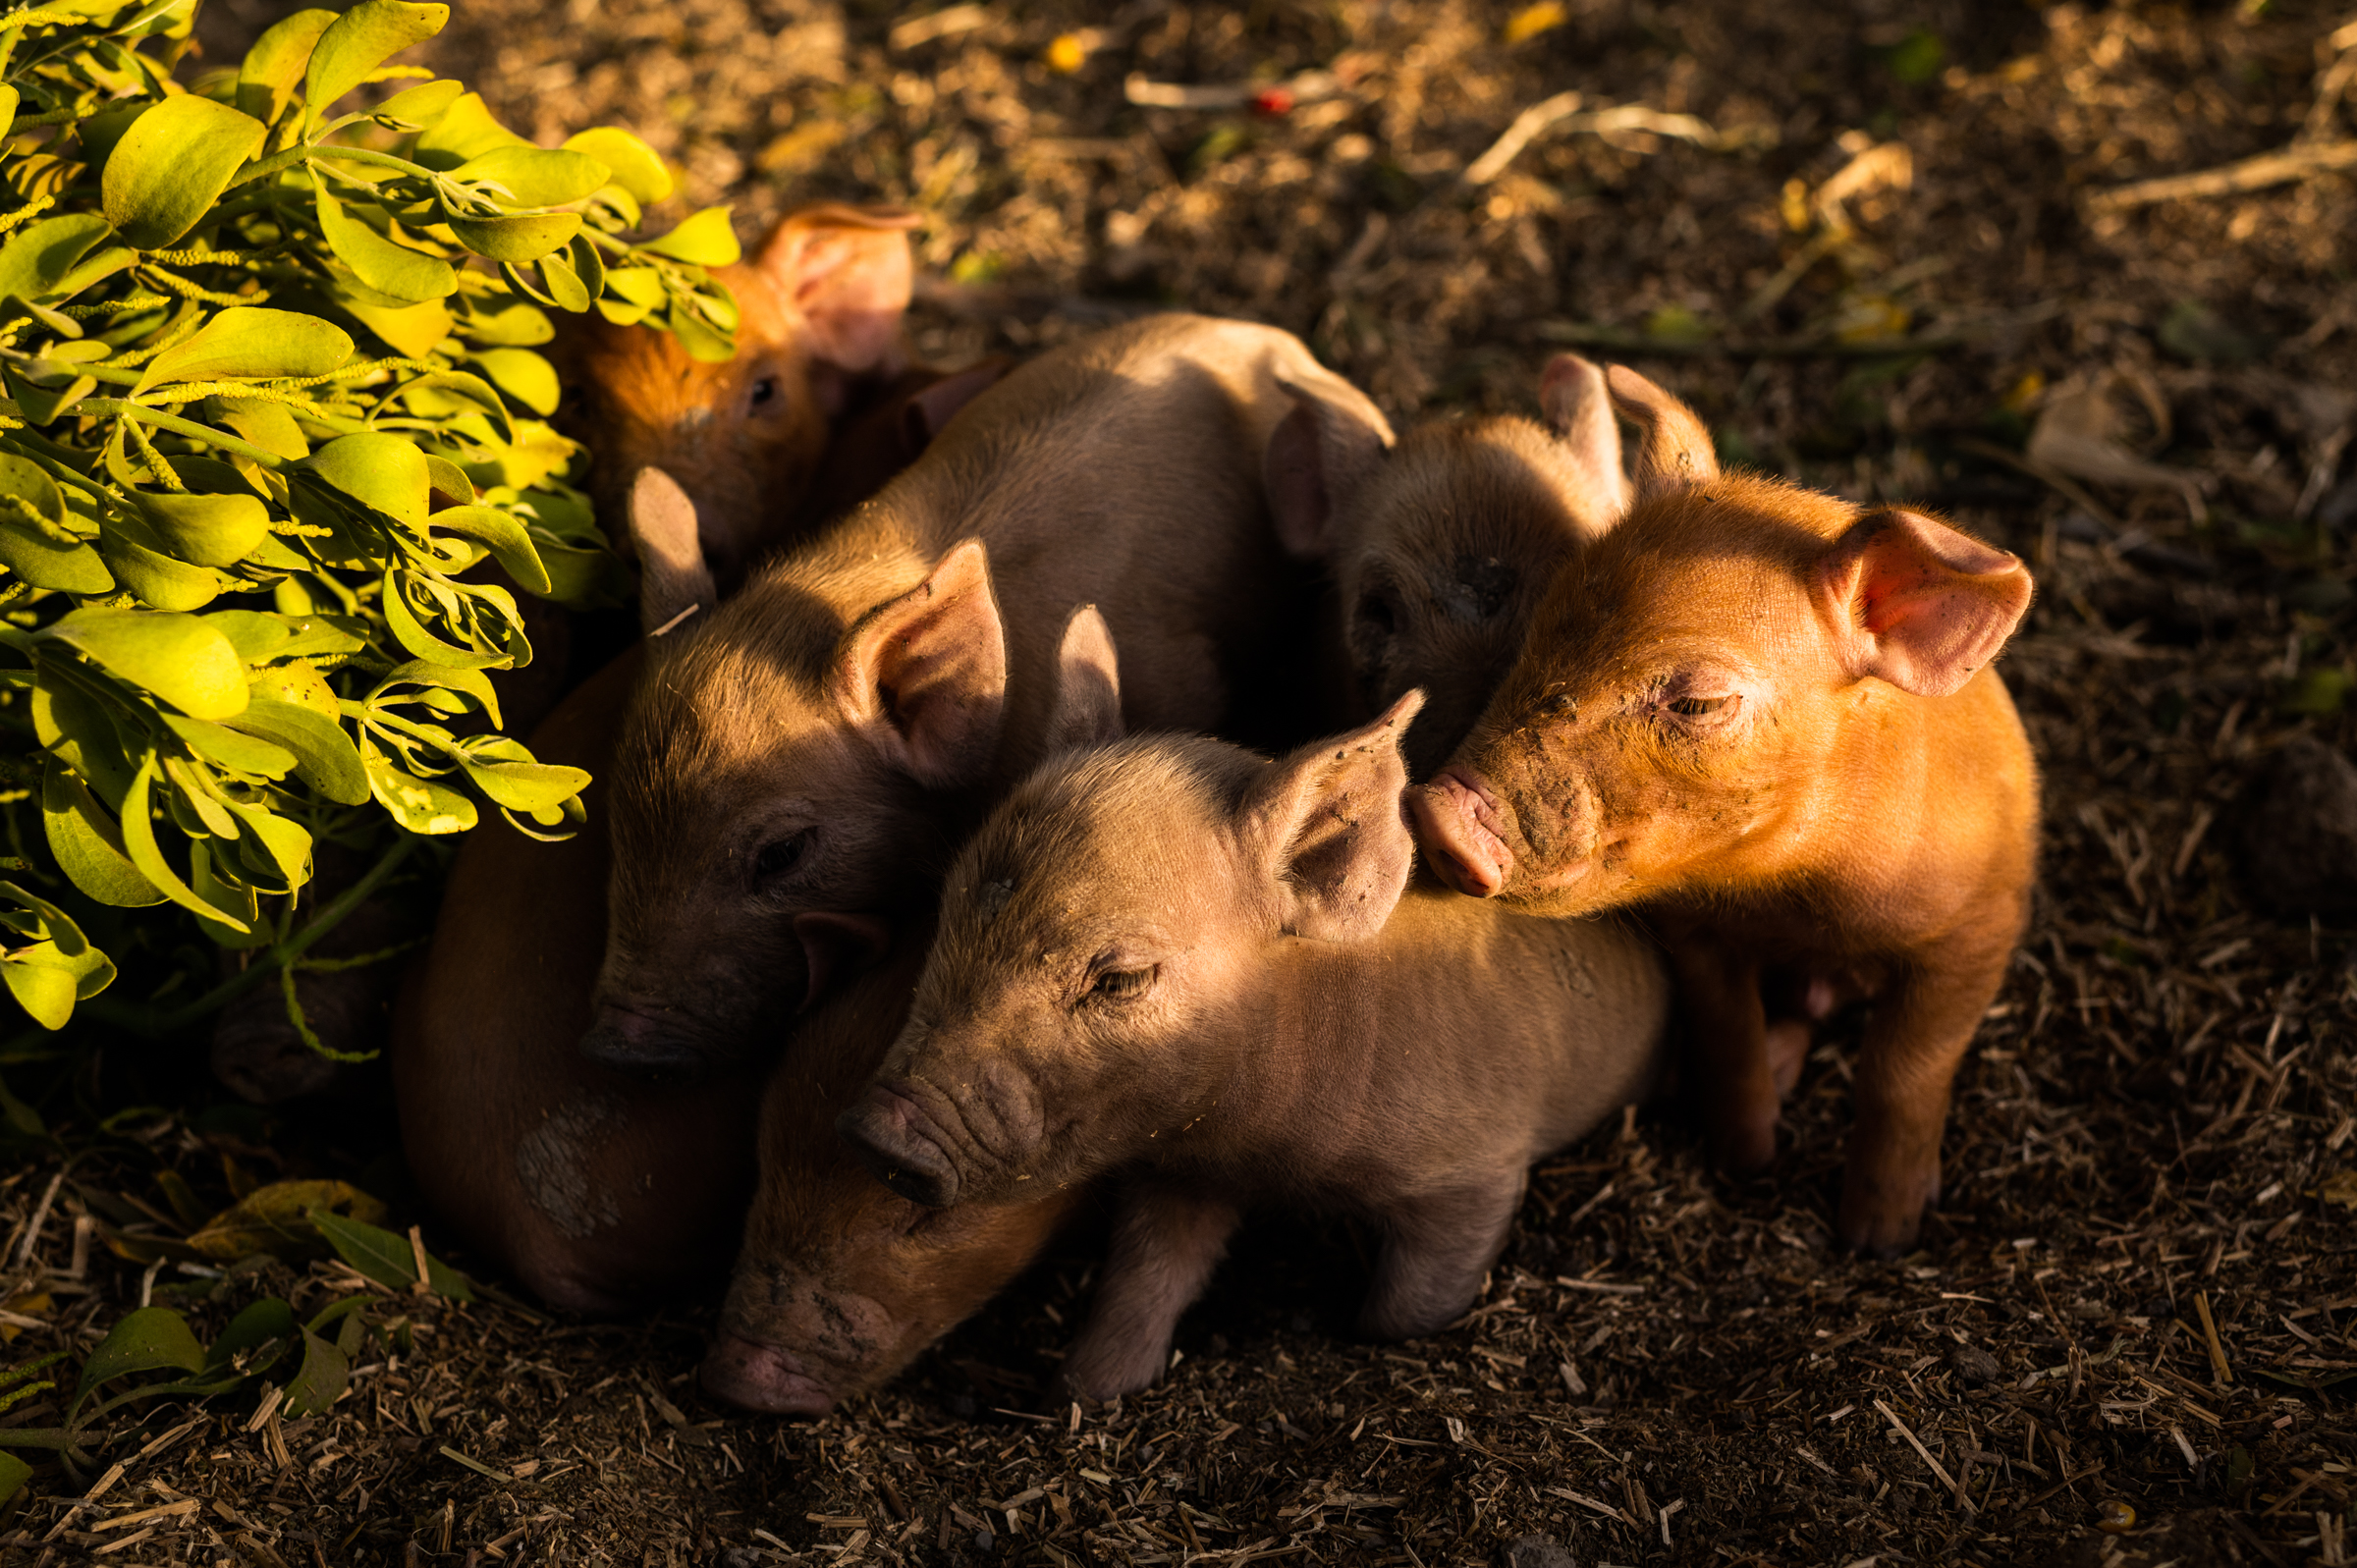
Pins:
x: 1273, y: 101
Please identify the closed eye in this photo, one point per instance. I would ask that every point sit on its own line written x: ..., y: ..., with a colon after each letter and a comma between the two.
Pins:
x: 1120, y: 984
x: 781, y: 856
x: 1696, y: 707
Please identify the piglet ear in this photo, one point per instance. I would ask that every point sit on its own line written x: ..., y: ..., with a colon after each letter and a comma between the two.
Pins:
x: 1319, y: 453
x: 935, y: 406
x: 674, y: 580
x: 1918, y: 604
x: 924, y: 676
x: 1088, y: 685
x: 1328, y: 826
x: 1674, y: 450
x: 1580, y: 410
x: 846, y: 272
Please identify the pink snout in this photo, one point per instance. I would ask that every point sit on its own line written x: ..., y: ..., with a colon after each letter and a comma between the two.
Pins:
x: 758, y: 1376
x: 1457, y: 822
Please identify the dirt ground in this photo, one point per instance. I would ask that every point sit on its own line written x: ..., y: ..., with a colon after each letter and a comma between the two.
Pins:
x: 1877, y: 256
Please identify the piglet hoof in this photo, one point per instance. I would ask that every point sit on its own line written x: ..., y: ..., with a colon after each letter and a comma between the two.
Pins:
x: 1098, y: 1374
x: 893, y: 1138
x: 1881, y: 1213
x: 1787, y: 1055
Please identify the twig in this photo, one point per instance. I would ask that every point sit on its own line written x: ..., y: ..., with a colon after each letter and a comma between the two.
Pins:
x: 1622, y: 119
x: 2218, y: 1352
x: 2251, y: 174
x: 1527, y: 125
x: 1916, y: 1443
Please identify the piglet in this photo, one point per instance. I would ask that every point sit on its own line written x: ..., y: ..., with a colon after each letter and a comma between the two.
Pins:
x: 841, y: 1281
x: 595, y: 1191
x: 1441, y: 546
x: 1173, y: 955
x: 800, y: 762
x: 1767, y: 715
x: 818, y: 340
x: 598, y: 1191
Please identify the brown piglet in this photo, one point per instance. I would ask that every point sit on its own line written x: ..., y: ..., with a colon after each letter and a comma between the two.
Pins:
x: 1173, y: 956
x: 800, y: 762
x: 1767, y: 716
x: 596, y: 1191
x: 841, y: 1281
x: 1440, y: 547
x: 818, y: 338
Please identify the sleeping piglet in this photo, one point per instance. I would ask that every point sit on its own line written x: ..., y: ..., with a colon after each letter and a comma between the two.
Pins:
x: 1170, y: 954
x: 798, y: 763
x: 841, y: 1281
x: 1767, y: 715
x: 1440, y: 547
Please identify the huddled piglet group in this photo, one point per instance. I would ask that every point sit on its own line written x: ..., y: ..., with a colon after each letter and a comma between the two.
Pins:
x: 1136, y: 782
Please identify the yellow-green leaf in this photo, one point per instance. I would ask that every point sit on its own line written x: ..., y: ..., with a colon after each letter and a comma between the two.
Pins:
x: 535, y: 177
x: 377, y: 261
x: 272, y: 68
x: 703, y: 238
x: 208, y: 531
x: 173, y: 164
x: 635, y: 165
x: 356, y: 43
x: 527, y: 238
x: 178, y: 658
x: 248, y: 341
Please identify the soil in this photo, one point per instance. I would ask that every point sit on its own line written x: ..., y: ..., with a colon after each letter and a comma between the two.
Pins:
x: 1877, y: 258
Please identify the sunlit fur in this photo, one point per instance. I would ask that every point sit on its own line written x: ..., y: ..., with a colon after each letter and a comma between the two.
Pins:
x: 1123, y: 471
x: 1622, y: 797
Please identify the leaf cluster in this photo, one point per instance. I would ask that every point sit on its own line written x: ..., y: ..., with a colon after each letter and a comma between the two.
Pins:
x: 307, y: 1362
x: 274, y: 460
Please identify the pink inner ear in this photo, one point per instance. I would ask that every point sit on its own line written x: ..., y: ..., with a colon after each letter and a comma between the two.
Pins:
x: 852, y: 287
x: 1929, y: 605
x: 927, y: 672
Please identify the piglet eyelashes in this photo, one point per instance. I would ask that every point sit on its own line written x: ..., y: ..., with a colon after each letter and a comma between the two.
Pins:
x: 1120, y: 984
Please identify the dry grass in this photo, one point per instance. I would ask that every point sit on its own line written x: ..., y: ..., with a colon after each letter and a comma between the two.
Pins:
x: 2140, y: 1286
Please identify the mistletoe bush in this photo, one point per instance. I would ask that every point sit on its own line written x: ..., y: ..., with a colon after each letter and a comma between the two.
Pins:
x: 272, y: 399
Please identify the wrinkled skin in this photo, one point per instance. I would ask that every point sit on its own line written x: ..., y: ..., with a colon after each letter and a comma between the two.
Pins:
x: 798, y: 763
x: 1765, y: 715
x: 1173, y: 958
x: 1441, y: 546
x: 841, y: 1283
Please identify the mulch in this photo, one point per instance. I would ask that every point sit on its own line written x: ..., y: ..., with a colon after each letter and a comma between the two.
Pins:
x: 2132, y: 1309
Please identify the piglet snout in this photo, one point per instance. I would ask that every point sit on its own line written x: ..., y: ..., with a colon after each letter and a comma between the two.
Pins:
x: 900, y: 1146
x: 1456, y: 819
x: 765, y: 1377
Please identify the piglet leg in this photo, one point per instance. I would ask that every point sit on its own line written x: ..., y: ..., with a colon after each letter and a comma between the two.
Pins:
x: 1734, y: 1077
x: 1435, y: 1250
x: 1914, y: 1042
x: 1164, y: 1245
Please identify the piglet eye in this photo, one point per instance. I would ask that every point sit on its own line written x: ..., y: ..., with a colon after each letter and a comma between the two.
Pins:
x: 764, y: 391
x: 1696, y: 707
x: 1558, y: 706
x: 780, y: 857
x: 1120, y: 984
